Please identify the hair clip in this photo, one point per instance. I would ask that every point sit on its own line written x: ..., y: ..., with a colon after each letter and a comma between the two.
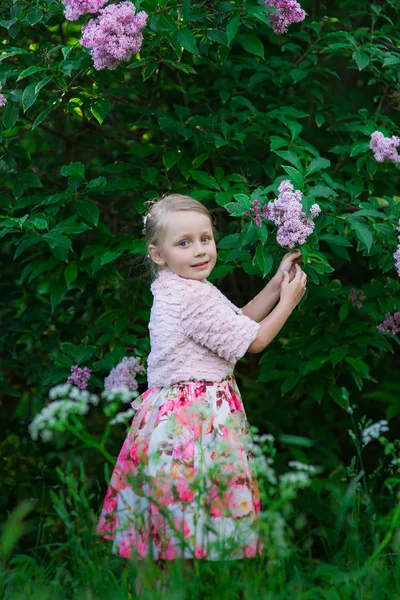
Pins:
x: 144, y: 224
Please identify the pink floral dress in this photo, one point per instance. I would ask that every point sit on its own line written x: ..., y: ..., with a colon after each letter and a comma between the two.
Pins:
x: 183, y: 485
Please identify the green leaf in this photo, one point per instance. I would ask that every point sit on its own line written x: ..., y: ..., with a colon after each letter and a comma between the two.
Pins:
x: 70, y: 226
x: 29, y: 96
x: 42, y: 116
x: 29, y: 71
x: 358, y: 365
x: 10, y: 114
x: 34, y: 16
x: 338, y: 240
x: 57, y: 240
x: 317, y: 164
x: 186, y: 10
x: 252, y: 44
x: 204, y: 179
x: 149, y: 70
x: 75, y: 169
x: 295, y: 440
x: 362, y: 59
x: 264, y: 259
x: 295, y: 176
x: 171, y: 157
x: 188, y: 40
x: 88, y: 210
x: 229, y: 241
x: 100, y: 109
x: 363, y: 232
x: 232, y: 28
x: 70, y: 273
x: 337, y: 354
x: 110, y: 257
x: 188, y: 69
x: 321, y: 191
x: 290, y: 157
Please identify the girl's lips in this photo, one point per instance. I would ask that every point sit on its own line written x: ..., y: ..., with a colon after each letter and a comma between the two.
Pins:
x: 200, y: 265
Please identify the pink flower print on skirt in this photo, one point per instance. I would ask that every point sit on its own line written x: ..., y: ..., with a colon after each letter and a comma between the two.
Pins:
x: 183, y: 485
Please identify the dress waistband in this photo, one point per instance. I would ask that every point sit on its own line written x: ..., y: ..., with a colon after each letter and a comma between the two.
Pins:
x: 204, y: 381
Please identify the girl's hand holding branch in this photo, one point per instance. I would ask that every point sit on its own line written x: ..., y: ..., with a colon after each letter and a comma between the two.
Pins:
x: 292, y: 290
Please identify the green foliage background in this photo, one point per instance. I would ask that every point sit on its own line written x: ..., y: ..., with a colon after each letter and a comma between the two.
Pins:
x: 219, y: 107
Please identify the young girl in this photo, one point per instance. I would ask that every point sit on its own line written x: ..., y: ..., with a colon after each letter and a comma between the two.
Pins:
x: 183, y: 486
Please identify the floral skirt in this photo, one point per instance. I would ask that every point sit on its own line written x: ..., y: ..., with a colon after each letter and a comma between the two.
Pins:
x: 183, y: 485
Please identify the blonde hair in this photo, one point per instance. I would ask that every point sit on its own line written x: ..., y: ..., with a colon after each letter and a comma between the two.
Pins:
x: 157, y: 218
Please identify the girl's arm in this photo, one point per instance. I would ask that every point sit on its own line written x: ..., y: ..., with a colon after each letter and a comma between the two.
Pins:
x: 258, y: 308
x: 291, y: 294
x: 262, y: 304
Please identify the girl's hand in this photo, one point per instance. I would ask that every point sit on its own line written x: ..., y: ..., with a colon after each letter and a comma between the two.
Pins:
x: 288, y: 263
x: 293, y: 291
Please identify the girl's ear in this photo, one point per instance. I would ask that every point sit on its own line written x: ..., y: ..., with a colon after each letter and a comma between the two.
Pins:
x: 155, y: 256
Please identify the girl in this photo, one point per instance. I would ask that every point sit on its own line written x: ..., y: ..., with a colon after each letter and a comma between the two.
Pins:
x: 183, y: 486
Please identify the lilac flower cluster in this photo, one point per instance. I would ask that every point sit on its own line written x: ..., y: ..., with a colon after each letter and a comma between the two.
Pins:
x: 294, y: 227
x: 75, y: 8
x: 256, y: 212
x: 79, y: 377
x: 3, y: 99
x: 396, y: 255
x: 123, y: 375
x: 357, y: 297
x: 290, y: 12
x: 384, y: 148
x: 391, y: 324
x: 115, y: 35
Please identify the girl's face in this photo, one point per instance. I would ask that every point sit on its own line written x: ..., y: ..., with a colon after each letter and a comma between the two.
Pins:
x: 188, y: 241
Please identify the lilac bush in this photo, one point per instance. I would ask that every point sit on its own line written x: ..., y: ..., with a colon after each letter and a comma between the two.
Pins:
x: 123, y: 375
x: 3, y: 99
x: 114, y: 35
x: 356, y: 297
x: 79, y: 377
x: 75, y: 8
x: 290, y: 12
x: 255, y: 212
x: 391, y: 324
x: 396, y: 255
x: 294, y: 226
x: 384, y: 148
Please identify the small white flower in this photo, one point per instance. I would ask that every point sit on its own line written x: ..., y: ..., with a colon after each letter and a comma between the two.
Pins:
x: 374, y: 431
x: 295, y: 478
x: 123, y: 417
x: 303, y: 467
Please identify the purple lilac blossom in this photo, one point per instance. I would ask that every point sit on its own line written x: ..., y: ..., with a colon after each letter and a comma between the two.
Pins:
x: 123, y: 375
x: 256, y: 212
x: 290, y: 12
x: 79, y: 377
x: 391, y: 324
x: 3, y: 99
x: 114, y: 35
x: 384, y: 148
x: 396, y: 255
x: 294, y: 227
x: 357, y: 297
x: 75, y: 8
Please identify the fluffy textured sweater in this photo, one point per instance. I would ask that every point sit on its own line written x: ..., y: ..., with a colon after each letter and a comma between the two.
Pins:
x: 196, y: 333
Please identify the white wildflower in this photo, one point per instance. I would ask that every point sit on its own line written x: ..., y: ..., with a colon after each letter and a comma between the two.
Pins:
x: 374, y: 431
x: 122, y: 392
x: 303, y: 467
x: 123, y: 417
x: 298, y: 478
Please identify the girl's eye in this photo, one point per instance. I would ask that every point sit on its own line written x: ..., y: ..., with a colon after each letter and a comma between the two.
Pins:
x: 206, y: 237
